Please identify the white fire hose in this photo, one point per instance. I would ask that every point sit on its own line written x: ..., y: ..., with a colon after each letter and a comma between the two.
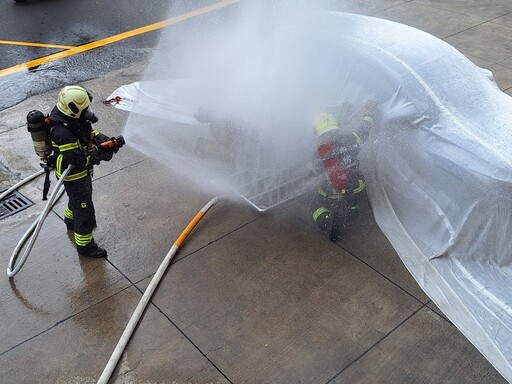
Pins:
x: 15, y: 262
x: 125, y: 337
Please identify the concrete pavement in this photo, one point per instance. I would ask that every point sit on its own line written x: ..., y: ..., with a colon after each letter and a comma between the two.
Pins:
x: 250, y: 298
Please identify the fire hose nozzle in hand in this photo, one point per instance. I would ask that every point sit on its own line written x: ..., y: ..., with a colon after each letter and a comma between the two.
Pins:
x: 114, y: 143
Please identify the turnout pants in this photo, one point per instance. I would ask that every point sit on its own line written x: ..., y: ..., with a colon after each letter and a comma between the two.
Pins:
x: 333, y: 212
x: 80, y: 210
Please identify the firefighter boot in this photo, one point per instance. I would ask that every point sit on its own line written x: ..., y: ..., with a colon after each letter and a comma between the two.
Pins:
x: 334, y: 233
x: 339, y: 226
x: 92, y: 250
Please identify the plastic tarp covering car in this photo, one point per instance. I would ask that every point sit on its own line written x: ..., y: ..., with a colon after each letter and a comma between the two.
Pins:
x: 438, y: 166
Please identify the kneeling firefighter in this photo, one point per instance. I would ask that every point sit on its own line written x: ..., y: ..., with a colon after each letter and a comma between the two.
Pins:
x: 336, y: 200
x: 77, y: 144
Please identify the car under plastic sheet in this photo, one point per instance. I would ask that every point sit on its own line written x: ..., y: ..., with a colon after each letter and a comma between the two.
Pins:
x: 438, y: 166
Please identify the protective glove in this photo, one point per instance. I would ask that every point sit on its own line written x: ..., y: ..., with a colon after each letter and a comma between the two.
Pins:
x: 101, y: 155
x: 106, y: 155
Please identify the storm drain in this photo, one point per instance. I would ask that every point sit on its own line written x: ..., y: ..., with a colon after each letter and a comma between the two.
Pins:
x: 13, y: 203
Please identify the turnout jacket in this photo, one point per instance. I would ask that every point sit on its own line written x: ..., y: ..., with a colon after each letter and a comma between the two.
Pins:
x: 73, y: 141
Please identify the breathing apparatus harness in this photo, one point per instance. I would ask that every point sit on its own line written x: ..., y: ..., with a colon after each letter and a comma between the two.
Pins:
x: 39, y: 127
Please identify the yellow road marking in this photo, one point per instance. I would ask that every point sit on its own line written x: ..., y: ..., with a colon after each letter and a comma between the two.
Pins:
x: 40, y: 45
x: 112, y: 39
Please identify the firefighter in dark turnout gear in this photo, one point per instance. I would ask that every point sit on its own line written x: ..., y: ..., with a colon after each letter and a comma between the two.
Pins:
x: 336, y: 200
x: 76, y: 144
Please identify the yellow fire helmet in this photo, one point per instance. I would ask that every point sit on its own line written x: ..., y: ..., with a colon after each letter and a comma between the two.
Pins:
x: 72, y: 100
x: 325, y: 122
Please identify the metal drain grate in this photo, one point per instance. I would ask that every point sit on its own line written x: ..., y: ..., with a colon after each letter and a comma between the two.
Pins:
x: 13, y: 203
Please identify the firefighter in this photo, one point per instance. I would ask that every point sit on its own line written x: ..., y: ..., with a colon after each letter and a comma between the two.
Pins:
x: 76, y: 144
x: 336, y: 200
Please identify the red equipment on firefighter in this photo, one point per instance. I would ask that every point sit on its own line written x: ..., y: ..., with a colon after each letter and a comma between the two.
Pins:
x: 326, y: 149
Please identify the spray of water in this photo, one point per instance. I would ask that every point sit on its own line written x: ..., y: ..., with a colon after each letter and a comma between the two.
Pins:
x: 230, y: 98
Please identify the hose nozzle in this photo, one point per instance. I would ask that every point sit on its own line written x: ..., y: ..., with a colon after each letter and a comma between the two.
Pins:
x: 114, y: 143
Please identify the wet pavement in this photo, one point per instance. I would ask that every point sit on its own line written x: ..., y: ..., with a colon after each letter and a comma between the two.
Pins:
x: 250, y: 297
x: 50, y: 27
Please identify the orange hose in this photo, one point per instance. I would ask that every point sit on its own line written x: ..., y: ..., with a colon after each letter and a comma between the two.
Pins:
x: 189, y: 228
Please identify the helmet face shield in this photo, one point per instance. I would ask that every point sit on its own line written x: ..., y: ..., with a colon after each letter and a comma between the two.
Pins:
x: 73, y: 100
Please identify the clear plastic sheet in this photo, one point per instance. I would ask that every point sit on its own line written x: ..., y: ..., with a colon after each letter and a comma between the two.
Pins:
x: 438, y: 166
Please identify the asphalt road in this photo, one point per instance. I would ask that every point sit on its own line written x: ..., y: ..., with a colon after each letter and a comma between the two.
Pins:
x: 37, y: 29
